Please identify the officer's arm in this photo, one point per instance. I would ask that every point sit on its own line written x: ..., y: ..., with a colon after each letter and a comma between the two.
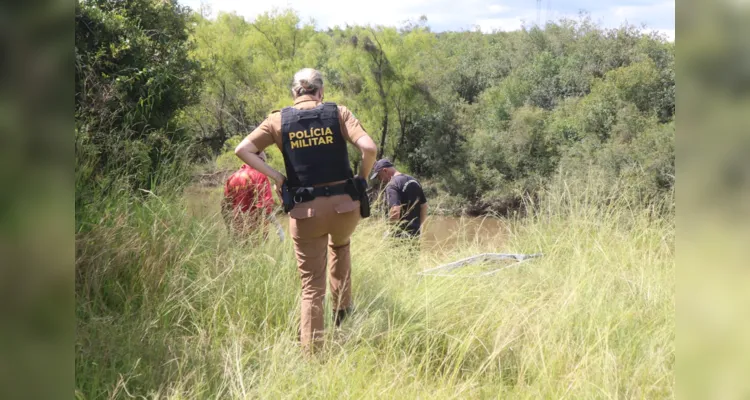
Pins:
x: 355, y: 134
x: 394, y: 213
x: 369, y: 152
x: 246, y: 151
x: 394, y: 203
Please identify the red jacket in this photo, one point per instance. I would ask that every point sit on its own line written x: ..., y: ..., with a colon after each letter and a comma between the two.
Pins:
x: 249, y: 190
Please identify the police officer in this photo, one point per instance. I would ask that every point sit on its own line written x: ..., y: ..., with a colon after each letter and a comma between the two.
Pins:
x: 313, y: 138
x: 407, y: 205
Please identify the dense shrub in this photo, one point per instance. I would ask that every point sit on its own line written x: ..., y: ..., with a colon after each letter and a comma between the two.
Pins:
x: 133, y: 74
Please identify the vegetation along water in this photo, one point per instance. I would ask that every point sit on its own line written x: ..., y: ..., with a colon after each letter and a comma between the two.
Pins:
x: 556, y: 139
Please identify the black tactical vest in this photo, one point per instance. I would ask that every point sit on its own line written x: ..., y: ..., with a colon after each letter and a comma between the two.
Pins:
x: 313, y: 147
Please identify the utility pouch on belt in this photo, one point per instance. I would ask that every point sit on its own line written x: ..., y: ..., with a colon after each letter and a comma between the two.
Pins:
x: 358, y: 187
x: 290, y: 197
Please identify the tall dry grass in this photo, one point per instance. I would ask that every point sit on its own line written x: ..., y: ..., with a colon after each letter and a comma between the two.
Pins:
x: 168, y: 307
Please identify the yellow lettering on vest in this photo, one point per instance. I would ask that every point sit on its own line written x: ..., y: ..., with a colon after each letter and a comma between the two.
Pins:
x: 301, y: 139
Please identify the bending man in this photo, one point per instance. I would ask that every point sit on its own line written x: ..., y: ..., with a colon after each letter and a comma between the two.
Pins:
x: 247, y: 206
x: 407, y: 205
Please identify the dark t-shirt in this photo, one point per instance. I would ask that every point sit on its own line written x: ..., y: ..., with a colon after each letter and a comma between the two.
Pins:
x: 405, y: 191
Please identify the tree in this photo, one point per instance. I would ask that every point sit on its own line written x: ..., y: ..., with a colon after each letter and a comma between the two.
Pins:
x: 384, y: 76
x: 133, y: 74
x: 247, y: 66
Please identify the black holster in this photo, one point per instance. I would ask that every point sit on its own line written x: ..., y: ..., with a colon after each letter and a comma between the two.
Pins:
x: 286, y: 198
x: 358, y: 191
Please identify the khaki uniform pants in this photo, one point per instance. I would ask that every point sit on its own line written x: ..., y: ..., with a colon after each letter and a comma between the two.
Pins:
x: 322, y: 225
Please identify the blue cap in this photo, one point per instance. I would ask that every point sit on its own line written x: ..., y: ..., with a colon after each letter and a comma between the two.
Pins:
x: 379, y: 165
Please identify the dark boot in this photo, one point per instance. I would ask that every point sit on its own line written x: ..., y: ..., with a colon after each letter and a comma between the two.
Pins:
x: 340, y: 315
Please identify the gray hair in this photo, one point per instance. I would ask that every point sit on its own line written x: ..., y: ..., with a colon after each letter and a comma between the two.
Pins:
x: 307, y: 81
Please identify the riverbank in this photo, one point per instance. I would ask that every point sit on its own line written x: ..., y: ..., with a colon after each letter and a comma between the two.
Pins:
x: 441, y: 232
x: 168, y: 307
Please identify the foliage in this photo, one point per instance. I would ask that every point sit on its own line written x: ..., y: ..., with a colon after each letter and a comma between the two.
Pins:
x: 133, y: 74
x: 488, y: 116
x: 248, y: 68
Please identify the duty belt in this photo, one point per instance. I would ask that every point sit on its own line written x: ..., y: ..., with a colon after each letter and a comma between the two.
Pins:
x: 303, y: 194
x: 356, y: 188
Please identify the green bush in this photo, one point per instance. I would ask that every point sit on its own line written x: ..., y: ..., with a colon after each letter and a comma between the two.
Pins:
x: 130, y: 83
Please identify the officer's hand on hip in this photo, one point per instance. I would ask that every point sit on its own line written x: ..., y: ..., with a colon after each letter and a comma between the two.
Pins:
x: 278, y: 184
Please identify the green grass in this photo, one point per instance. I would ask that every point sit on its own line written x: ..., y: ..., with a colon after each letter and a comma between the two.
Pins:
x: 168, y: 307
